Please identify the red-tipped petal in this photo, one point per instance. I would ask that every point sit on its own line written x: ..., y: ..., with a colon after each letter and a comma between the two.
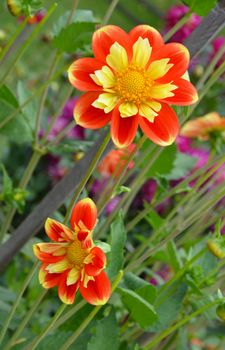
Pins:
x: 67, y: 293
x: 49, y: 253
x: 97, y: 291
x: 164, y: 130
x: 179, y: 56
x: 184, y: 95
x: 84, y: 214
x: 88, y: 116
x: 48, y: 280
x: 97, y: 264
x: 145, y: 31
x: 123, y: 130
x: 79, y: 74
x: 57, y: 232
x: 105, y: 37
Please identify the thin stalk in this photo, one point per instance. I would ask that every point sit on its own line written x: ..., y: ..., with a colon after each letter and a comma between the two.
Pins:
x: 16, y: 303
x: 28, y: 42
x: 69, y: 314
x: 210, y: 67
x: 179, y: 324
x: 109, y: 12
x: 177, y: 26
x: 87, y: 175
x: 22, y: 184
x: 12, y: 39
x: 36, y: 341
x: 25, y: 321
x: 90, y: 317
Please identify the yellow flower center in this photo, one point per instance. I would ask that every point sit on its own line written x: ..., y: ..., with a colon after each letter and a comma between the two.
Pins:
x: 76, y: 254
x: 132, y: 84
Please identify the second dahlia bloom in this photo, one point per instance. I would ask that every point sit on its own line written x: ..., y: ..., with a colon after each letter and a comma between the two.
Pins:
x: 114, y: 161
x: 202, y: 127
x: 72, y: 261
x: 133, y: 80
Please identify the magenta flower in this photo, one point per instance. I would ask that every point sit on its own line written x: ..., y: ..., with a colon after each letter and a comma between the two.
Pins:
x: 216, y: 46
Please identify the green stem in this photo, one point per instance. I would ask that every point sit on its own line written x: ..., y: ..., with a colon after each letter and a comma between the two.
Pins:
x: 16, y: 303
x: 22, y: 184
x: 28, y: 42
x: 90, y: 317
x: 36, y: 341
x: 179, y: 324
x: 25, y: 321
x: 87, y: 175
x: 177, y: 26
x: 13, y: 38
x: 109, y: 12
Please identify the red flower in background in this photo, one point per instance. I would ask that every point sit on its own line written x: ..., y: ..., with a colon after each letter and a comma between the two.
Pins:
x: 73, y: 261
x: 133, y: 80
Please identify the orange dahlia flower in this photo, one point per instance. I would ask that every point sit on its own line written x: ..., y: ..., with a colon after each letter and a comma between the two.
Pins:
x: 73, y: 261
x: 133, y: 80
x: 114, y: 161
x: 202, y: 127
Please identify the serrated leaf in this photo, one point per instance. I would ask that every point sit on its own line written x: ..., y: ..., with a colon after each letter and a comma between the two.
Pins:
x: 17, y: 130
x: 173, y: 254
x: 29, y: 111
x: 106, y: 335
x: 182, y: 165
x: 75, y: 36
x: 154, y: 219
x: 7, y: 182
x: 141, y: 310
x: 69, y: 146
x: 202, y: 8
x: 118, y: 240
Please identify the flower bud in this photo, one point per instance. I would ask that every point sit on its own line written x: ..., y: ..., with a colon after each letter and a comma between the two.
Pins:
x: 216, y: 247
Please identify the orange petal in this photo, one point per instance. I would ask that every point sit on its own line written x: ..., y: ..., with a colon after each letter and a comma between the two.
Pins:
x: 79, y: 74
x: 97, y: 291
x: 164, y: 130
x: 97, y: 264
x: 123, y: 130
x: 145, y: 31
x: 88, y: 116
x: 57, y: 232
x: 48, y: 280
x: 184, y: 95
x: 179, y: 56
x: 105, y: 37
x: 67, y: 293
x: 84, y: 214
x: 49, y: 254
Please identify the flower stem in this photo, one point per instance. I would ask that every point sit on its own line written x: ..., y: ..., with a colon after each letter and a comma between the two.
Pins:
x: 87, y: 175
x: 177, y: 26
x: 16, y: 303
x: 36, y: 341
x: 90, y: 317
x: 179, y: 324
x: 12, y: 39
x: 28, y: 42
x: 109, y: 12
x: 24, y: 322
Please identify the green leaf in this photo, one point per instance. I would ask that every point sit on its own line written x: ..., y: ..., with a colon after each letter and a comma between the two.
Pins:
x: 163, y: 165
x: 118, y: 240
x: 169, y: 305
x: 174, y: 257
x: 154, y: 219
x: 106, y: 335
x: 182, y: 165
x: 29, y: 111
x: 104, y: 246
x: 73, y: 37
x: 121, y: 189
x: 140, y: 310
x: 17, y: 130
x: 7, y: 182
x: 134, y: 282
x: 69, y: 146
x: 202, y: 8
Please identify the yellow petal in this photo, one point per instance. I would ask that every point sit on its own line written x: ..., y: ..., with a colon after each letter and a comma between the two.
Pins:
x: 145, y: 110
x: 161, y: 91
x: 159, y: 68
x: 117, y: 59
x: 141, y: 52
x: 73, y: 276
x: 106, y: 101
x: 127, y: 109
x: 104, y: 77
x: 58, y: 267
